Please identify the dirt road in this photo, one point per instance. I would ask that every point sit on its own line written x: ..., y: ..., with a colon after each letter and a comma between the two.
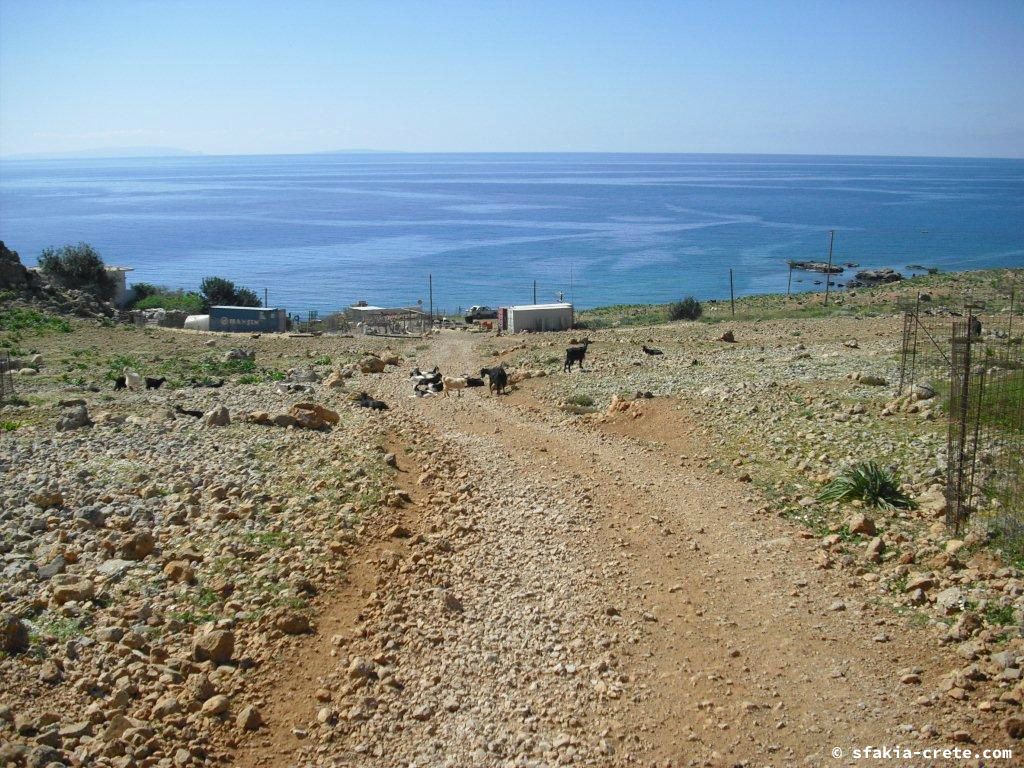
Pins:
x: 565, y: 596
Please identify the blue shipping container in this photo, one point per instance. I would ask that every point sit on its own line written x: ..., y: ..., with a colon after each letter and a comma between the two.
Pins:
x: 248, y: 319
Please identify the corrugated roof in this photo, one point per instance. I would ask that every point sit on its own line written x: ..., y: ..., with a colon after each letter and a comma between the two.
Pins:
x: 541, y: 306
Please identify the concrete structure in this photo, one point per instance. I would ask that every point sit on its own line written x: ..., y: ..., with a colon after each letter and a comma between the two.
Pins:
x: 248, y: 319
x: 536, y: 317
x: 119, y: 275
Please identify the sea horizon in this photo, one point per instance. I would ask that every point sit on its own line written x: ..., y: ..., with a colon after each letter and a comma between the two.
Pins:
x: 321, y: 231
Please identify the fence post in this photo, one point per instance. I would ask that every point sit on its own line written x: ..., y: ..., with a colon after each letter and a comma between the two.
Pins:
x: 732, y: 295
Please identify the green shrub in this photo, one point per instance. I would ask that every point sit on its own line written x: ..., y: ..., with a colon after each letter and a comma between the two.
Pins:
x: 182, y: 301
x: 216, y: 291
x: 79, y: 267
x: 687, y: 309
x: 868, y: 482
x: 9, y: 426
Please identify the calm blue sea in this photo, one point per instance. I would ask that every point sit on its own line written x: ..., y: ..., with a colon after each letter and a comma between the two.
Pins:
x: 322, y: 231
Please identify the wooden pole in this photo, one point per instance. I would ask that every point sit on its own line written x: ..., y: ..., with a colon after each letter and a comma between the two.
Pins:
x: 265, y: 303
x: 790, y: 283
x: 534, y: 291
x: 732, y: 295
x: 430, y: 288
x: 828, y: 274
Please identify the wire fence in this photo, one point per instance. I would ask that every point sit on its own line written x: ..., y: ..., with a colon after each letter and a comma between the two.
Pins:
x: 968, y: 351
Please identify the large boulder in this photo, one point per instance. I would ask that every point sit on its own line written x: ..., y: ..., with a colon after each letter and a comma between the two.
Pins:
x: 77, y: 590
x: 315, y: 414
x: 76, y: 418
x: 371, y: 365
x: 217, y: 417
x: 137, y: 546
x: 216, y: 645
x: 13, y: 632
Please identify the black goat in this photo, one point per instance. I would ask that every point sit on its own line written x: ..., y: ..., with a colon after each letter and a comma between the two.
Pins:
x: 652, y: 351
x: 119, y: 383
x: 498, y: 379
x: 155, y: 383
x: 473, y: 381
x: 365, y: 401
x: 575, y: 355
x: 186, y: 412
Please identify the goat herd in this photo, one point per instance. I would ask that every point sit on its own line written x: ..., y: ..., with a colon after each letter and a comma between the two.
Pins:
x: 425, y: 383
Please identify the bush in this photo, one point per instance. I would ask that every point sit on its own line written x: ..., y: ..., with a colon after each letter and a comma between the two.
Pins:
x: 179, y: 300
x: 141, y: 290
x: 687, y: 309
x: 216, y: 291
x: 868, y: 482
x: 79, y: 267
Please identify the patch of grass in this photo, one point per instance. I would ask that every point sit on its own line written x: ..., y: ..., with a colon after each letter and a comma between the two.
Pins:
x: 584, y: 401
x: 270, y: 539
x: 60, y: 627
x: 323, y: 360
x: 206, y: 597
x: 117, y: 364
x: 191, y: 617
x: 1008, y: 541
x: 868, y: 482
x: 32, y: 320
x: 9, y: 426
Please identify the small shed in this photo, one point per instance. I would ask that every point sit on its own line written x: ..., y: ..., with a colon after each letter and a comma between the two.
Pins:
x: 537, y: 317
x: 248, y: 319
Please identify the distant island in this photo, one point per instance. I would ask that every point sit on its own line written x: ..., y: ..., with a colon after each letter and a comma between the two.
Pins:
x: 105, y: 153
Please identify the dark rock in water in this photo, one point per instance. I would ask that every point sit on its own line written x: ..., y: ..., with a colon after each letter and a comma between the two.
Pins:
x: 868, y: 277
x: 817, y: 266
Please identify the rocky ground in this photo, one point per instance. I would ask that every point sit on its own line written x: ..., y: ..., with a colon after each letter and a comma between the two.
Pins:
x: 266, y: 575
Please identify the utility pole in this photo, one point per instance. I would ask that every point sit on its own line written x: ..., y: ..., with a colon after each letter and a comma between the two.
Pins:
x: 534, y: 291
x: 430, y: 288
x: 828, y: 274
x: 732, y: 295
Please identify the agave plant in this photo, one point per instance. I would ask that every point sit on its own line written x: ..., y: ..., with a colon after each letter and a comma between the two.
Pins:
x: 868, y: 482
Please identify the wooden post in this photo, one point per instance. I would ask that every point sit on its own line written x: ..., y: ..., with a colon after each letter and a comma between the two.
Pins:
x: 828, y: 274
x: 265, y: 304
x: 790, y: 283
x: 430, y: 288
x: 732, y: 295
x: 534, y: 291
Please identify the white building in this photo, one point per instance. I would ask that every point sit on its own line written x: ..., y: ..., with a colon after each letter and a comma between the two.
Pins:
x: 536, y: 317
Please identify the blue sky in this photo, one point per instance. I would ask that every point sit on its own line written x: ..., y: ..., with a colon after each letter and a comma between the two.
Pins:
x: 822, y: 77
